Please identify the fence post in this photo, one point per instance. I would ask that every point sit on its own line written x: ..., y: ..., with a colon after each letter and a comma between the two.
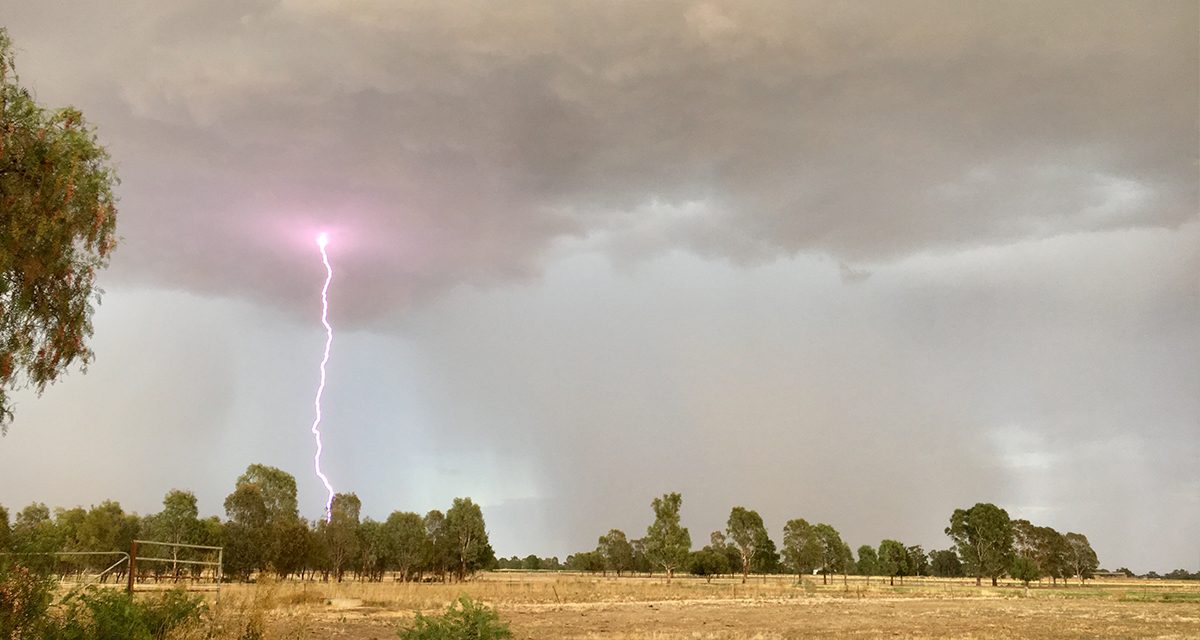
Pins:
x: 132, y: 565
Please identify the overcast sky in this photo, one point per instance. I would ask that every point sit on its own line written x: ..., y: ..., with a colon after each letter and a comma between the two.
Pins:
x: 858, y: 263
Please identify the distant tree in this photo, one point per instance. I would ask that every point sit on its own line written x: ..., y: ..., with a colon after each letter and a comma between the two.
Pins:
x: 707, y: 562
x: 945, y: 564
x: 262, y: 531
x: 1025, y: 569
x: 984, y: 538
x: 721, y: 544
x: 531, y: 563
x: 667, y: 543
x: 833, y: 550
x: 917, y: 562
x: 405, y: 533
x: 373, y: 549
x: 893, y: 560
x: 868, y: 562
x: 1053, y: 555
x: 614, y: 547
x: 590, y: 561
x: 801, y: 547
x: 469, y: 538
x: 765, y: 559
x: 341, y: 532
x: 5, y: 531
x: 1081, y: 558
x: 641, y: 561
x: 33, y: 530
x: 59, y: 219
x: 177, y: 523
x: 745, y: 528
x: 278, y: 489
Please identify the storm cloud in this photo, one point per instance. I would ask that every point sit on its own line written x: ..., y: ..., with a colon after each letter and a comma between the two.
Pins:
x: 859, y: 263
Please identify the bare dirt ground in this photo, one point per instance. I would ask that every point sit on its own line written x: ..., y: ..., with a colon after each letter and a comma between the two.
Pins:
x: 562, y: 607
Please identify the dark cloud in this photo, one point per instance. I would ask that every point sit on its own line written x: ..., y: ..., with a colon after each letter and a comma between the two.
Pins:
x: 858, y: 263
x: 448, y: 142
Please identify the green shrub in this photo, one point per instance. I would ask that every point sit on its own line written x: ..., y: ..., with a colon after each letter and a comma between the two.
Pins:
x: 25, y: 599
x: 463, y: 620
x: 103, y: 614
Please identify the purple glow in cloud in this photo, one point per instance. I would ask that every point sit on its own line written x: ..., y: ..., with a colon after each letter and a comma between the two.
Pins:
x: 322, y: 241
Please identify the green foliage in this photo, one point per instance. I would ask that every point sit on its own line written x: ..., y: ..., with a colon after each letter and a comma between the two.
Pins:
x: 468, y: 538
x: 745, y: 528
x: 765, y: 559
x: 101, y: 614
x: 616, y: 550
x: 667, y: 543
x: 833, y: 550
x: 463, y: 620
x: 868, y: 561
x: 1080, y: 557
x: 801, y: 547
x: 708, y: 562
x: 892, y: 559
x: 5, y: 531
x: 57, y: 229
x: 25, y: 599
x: 945, y: 564
x: 28, y: 610
x: 983, y: 536
x: 1025, y: 569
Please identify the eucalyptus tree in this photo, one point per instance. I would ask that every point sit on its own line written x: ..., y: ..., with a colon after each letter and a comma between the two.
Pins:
x: 833, y: 550
x: 667, y: 543
x: 1081, y: 558
x: 745, y: 527
x: 893, y: 560
x: 616, y: 550
x: 59, y: 217
x: 801, y: 547
x: 983, y: 536
x: 468, y: 537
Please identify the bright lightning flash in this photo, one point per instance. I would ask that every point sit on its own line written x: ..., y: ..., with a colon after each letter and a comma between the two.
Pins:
x: 322, y: 242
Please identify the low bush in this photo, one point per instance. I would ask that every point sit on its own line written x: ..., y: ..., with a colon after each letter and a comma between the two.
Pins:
x: 463, y: 620
x: 28, y: 610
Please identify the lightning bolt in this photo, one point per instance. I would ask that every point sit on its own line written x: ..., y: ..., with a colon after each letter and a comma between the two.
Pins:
x: 322, y: 241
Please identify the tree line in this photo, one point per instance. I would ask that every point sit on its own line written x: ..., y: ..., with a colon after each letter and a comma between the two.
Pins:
x: 262, y: 533
x: 987, y: 543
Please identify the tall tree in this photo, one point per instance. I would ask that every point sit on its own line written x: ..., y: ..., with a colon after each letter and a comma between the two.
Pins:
x: 439, y: 548
x: 893, y: 559
x: 983, y: 536
x: 406, y: 536
x: 278, y: 490
x: 177, y: 523
x: 341, y: 532
x: 58, y: 215
x: 468, y: 535
x: 614, y: 547
x: 765, y: 559
x: 1080, y: 557
x: 868, y: 562
x: 667, y: 543
x: 918, y: 561
x: 264, y: 521
x: 745, y: 527
x: 374, y: 550
x: 833, y: 550
x: 801, y: 547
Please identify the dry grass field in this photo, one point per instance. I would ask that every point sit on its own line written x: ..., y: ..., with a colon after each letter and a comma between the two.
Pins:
x: 568, y: 606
